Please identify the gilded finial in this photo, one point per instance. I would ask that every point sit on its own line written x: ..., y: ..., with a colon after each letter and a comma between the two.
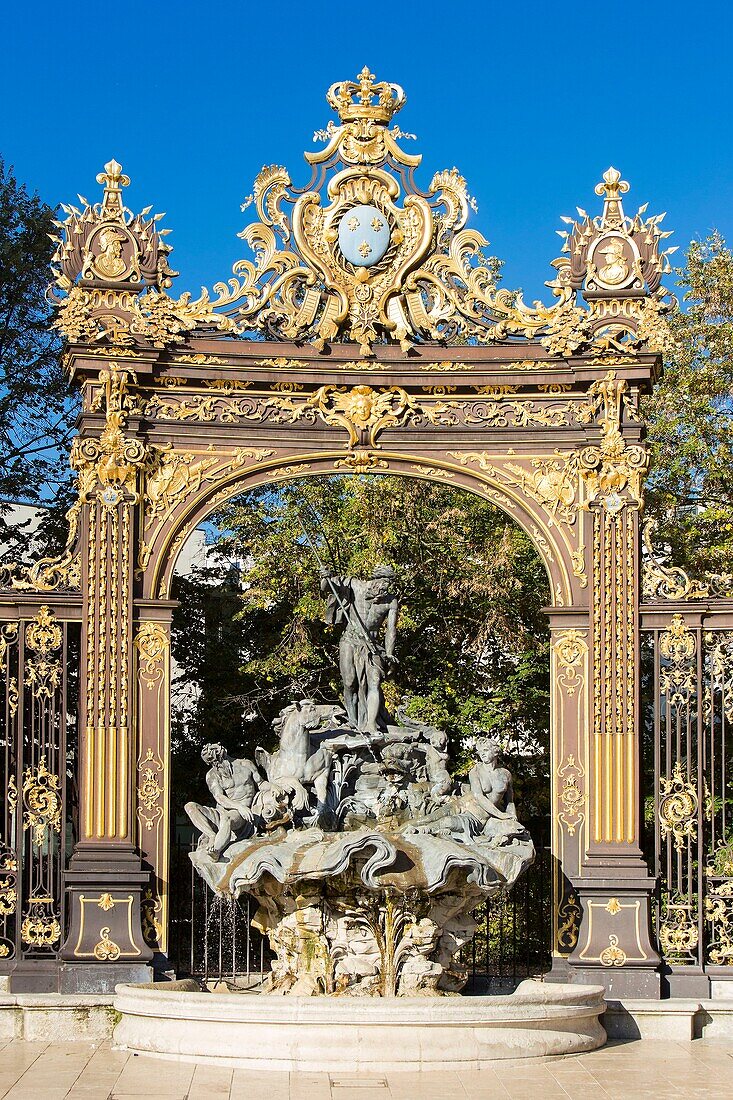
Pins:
x: 113, y: 180
x: 112, y: 177
x: 354, y: 100
x: 612, y: 187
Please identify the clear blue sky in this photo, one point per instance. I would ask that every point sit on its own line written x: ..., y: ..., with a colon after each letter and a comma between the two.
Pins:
x: 531, y: 101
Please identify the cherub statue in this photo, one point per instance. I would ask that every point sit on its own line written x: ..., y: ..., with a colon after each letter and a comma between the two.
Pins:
x: 484, y: 808
x: 234, y: 785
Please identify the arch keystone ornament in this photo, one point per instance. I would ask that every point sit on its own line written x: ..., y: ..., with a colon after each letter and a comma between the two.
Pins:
x: 384, y: 345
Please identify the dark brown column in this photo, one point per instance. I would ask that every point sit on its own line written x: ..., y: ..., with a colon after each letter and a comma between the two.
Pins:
x: 152, y: 674
x: 105, y: 878
x: 614, y: 887
x: 569, y: 720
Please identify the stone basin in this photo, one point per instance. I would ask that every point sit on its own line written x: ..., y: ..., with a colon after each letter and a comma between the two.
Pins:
x: 326, y: 1034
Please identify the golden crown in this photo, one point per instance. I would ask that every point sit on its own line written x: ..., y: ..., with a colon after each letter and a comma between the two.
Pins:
x: 365, y: 99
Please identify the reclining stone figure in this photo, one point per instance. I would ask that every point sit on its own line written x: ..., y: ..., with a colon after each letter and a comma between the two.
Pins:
x: 234, y: 785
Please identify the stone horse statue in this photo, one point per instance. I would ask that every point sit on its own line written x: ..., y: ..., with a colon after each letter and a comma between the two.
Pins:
x: 295, y: 765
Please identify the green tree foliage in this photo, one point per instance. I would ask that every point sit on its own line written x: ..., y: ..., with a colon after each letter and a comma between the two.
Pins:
x: 208, y: 645
x: 690, y: 418
x: 472, y: 636
x: 36, y: 407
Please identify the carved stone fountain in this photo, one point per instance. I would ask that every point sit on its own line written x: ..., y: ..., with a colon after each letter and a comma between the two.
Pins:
x: 366, y: 860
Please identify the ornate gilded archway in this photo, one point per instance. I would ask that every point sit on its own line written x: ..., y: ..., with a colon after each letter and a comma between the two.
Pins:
x: 366, y: 335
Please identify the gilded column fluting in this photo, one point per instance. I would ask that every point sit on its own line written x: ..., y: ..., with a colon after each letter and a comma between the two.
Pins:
x: 615, y: 705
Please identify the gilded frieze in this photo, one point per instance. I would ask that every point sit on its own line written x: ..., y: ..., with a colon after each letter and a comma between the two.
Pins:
x: 362, y: 410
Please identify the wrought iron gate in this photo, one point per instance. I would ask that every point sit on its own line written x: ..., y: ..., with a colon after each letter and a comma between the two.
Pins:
x: 688, y: 764
x: 39, y: 667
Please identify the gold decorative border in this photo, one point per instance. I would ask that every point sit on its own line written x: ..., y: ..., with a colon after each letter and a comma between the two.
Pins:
x: 635, y: 906
x: 102, y: 902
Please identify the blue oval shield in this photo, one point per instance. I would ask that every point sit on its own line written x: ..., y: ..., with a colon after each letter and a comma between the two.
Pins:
x: 363, y: 235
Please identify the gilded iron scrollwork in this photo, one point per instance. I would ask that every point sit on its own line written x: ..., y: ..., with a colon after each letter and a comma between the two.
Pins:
x: 678, y: 676
x: 150, y: 789
x: 40, y: 926
x: 613, y: 955
x: 571, y: 650
x: 41, y: 802
x: 43, y: 639
x: 719, y: 914
x: 111, y: 273
x: 573, y: 799
x: 614, y: 471
x: 667, y: 582
x: 361, y: 462
x: 152, y: 643
x: 678, y: 930
x: 568, y: 923
x: 106, y: 950
x: 678, y: 806
x: 719, y: 668
x: 150, y: 907
x: 618, y: 262
x: 8, y: 897
x: 8, y: 637
x: 718, y: 905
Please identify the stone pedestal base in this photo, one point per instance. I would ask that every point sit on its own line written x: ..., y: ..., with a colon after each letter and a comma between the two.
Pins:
x: 35, y: 976
x: 629, y: 981
x: 105, y: 944
x: 614, y: 946
x: 686, y: 981
x: 100, y: 977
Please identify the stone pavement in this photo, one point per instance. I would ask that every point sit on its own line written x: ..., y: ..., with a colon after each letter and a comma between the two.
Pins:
x: 649, y: 1067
